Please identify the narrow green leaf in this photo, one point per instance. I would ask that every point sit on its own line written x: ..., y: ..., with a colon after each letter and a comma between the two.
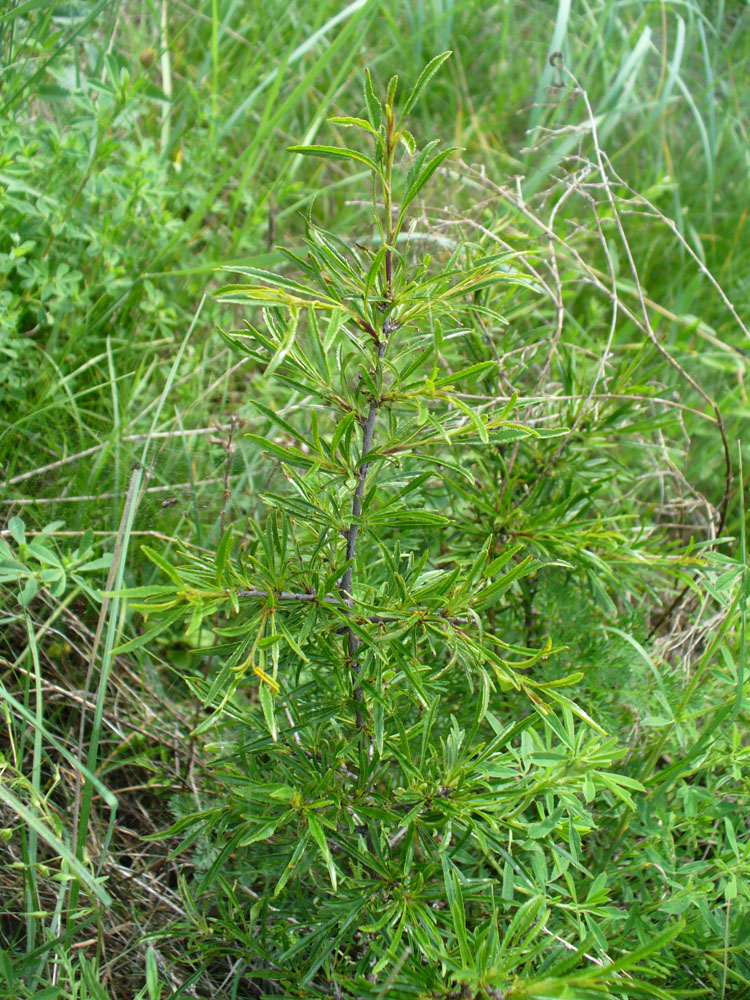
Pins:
x: 222, y: 554
x: 269, y: 712
x: 423, y: 79
x: 287, y: 342
x: 150, y: 634
x: 547, y: 825
x: 499, y: 587
x: 262, y: 832
x: 497, y: 564
x: 458, y: 915
x: 652, y: 947
x: 374, y: 106
x: 293, y: 862
x: 390, y: 95
x: 344, y: 426
x: 476, y: 418
x: 408, y: 518
x: 153, y: 590
x: 334, y: 153
x: 166, y: 567
x: 292, y: 455
x: 319, y: 837
x: 277, y: 419
x: 423, y: 177
x: 152, y: 975
x: 348, y: 122
x: 483, y: 366
x: 525, y: 915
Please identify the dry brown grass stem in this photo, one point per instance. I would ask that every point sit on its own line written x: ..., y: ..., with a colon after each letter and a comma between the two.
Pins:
x: 87, y: 452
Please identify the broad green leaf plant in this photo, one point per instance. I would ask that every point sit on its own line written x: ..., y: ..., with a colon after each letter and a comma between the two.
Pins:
x: 401, y: 792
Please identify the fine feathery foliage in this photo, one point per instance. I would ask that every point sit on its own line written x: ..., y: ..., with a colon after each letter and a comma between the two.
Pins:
x: 406, y: 796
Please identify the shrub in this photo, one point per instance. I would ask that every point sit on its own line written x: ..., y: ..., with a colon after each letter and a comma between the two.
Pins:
x: 405, y: 797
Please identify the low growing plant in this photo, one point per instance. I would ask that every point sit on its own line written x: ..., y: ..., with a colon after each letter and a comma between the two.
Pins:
x: 402, y: 789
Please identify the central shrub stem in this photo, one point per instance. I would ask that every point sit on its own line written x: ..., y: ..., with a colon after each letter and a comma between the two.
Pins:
x: 345, y: 587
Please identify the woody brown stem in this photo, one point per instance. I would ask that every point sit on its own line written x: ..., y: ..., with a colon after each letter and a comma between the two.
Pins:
x: 345, y: 586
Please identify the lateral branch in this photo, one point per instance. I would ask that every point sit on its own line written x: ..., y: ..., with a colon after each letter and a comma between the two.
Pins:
x: 313, y: 598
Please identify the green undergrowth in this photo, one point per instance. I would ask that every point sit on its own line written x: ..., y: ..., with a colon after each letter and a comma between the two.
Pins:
x: 495, y: 744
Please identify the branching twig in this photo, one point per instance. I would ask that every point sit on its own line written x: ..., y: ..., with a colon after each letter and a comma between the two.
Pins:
x: 344, y: 604
x: 596, y: 279
x: 359, y: 492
